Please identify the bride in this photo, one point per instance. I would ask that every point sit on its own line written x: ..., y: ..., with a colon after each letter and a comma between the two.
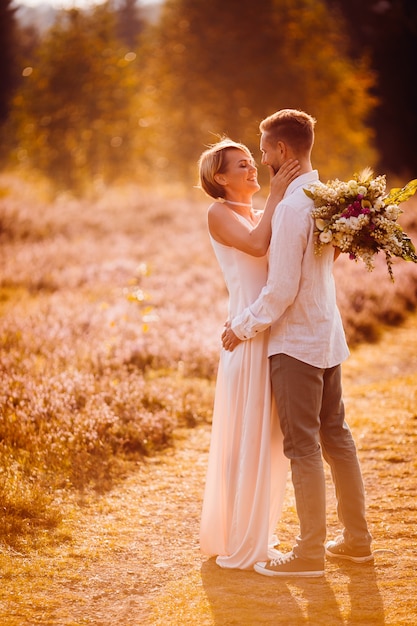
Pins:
x: 247, y: 470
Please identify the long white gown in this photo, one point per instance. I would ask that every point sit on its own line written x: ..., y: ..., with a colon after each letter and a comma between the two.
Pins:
x: 247, y: 470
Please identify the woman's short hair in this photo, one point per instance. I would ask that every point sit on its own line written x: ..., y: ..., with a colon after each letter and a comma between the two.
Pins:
x: 296, y: 128
x: 213, y: 161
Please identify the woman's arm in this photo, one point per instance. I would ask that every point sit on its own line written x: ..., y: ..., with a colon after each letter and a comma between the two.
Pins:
x: 226, y: 228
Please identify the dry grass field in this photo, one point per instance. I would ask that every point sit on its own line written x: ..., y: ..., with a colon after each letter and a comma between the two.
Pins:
x: 111, y: 311
x: 132, y: 557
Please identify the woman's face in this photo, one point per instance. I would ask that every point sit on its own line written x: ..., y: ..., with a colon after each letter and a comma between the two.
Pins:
x: 241, y: 173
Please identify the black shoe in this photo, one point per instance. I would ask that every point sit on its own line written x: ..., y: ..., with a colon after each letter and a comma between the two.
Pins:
x: 338, y: 549
x: 291, y: 565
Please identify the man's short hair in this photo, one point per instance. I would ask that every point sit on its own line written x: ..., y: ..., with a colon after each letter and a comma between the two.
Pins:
x: 293, y: 127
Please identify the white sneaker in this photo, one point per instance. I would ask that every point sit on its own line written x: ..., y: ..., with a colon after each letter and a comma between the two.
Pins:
x: 291, y: 565
x: 273, y: 541
x: 273, y: 553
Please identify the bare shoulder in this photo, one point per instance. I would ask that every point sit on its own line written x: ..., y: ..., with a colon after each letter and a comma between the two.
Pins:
x: 215, y: 220
x: 215, y: 208
x: 217, y: 213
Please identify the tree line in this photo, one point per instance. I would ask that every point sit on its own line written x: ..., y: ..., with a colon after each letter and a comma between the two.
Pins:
x: 106, y: 94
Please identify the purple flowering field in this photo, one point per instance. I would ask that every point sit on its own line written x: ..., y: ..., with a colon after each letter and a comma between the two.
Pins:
x: 111, y: 313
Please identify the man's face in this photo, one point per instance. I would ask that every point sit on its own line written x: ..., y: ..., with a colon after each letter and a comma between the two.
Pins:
x: 270, y: 153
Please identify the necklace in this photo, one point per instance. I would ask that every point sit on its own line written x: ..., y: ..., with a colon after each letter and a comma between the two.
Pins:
x: 239, y: 203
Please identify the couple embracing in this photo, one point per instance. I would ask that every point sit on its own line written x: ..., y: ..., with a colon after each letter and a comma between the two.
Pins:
x: 278, y: 392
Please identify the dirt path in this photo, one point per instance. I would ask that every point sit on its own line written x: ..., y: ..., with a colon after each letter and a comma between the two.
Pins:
x: 135, y: 558
x: 127, y: 548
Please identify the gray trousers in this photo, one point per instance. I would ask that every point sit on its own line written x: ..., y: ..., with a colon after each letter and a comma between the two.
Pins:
x: 312, y: 417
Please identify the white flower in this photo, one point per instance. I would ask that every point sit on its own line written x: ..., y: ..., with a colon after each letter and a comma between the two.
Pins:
x: 378, y: 185
x: 341, y: 224
x: 362, y: 190
x: 326, y: 236
x: 354, y: 223
x: 392, y: 211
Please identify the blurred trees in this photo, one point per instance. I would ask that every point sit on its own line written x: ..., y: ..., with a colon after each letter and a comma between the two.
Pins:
x: 74, y: 113
x: 8, y: 54
x: 219, y: 68
x: 386, y: 31
x: 107, y: 96
x: 129, y: 23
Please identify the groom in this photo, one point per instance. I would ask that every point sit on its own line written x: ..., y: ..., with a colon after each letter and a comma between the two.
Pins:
x: 306, y: 347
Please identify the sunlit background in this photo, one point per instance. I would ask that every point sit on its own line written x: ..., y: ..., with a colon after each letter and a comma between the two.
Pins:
x: 96, y: 92
x: 70, y: 4
x: 112, y: 303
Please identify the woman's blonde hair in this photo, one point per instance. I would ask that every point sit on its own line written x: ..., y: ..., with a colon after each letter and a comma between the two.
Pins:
x: 213, y: 161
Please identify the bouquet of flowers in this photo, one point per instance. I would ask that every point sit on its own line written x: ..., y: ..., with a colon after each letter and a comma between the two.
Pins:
x: 360, y: 218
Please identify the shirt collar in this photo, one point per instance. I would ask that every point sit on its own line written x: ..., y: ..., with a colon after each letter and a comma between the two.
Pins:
x: 304, y: 180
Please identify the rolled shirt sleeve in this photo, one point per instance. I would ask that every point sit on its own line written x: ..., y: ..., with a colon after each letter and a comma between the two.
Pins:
x: 286, y: 253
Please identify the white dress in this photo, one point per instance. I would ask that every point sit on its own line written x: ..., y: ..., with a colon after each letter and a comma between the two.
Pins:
x: 247, y: 470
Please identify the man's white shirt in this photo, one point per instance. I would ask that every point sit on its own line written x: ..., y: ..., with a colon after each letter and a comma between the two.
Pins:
x: 299, y: 300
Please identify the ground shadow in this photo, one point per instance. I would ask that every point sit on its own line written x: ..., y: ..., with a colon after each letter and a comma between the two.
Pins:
x: 245, y: 598
x: 366, y: 604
